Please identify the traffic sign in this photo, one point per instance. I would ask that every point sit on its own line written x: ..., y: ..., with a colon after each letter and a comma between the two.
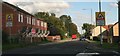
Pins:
x: 9, y: 20
x: 9, y: 17
x: 33, y: 31
x: 100, y: 18
x: 9, y: 24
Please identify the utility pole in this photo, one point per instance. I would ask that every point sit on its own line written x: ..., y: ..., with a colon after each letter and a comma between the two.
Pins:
x: 119, y: 20
x: 91, y: 11
x: 101, y: 37
x: 91, y: 16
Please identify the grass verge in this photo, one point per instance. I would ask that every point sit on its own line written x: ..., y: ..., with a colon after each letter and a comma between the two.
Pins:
x: 13, y: 46
x: 113, y: 46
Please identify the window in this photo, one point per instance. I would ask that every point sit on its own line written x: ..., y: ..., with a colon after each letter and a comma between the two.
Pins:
x: 45, y: 24
x: 38, y: 23
x: 42, y: 23
x: 33, y: 21
x: 27, y: 20
x: 19, y: 18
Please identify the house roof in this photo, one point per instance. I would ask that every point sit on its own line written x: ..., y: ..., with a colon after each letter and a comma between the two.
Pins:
x: 19, y: 9
x: 107, y: 27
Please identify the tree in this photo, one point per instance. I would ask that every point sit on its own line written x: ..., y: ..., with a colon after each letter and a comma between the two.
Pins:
x: 88, y: 28
x: 42, y: 15
x: 58, y: 26
x: 73, y: 29
x: 66, y: 21
x: 53, y: 14
x: 55, y: 26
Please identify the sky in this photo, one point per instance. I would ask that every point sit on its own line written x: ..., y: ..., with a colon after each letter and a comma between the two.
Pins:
x: 74, y: 8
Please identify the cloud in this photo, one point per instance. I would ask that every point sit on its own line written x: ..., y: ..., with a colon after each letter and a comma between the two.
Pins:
x: 114, y: 4
x: 40, y: 5
x: 63, y: 0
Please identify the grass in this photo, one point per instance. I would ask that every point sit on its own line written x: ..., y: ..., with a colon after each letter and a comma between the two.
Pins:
x: 105, y: 45
x: 13, y: 46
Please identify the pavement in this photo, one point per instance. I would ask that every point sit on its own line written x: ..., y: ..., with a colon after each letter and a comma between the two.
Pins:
x: 61, y: 41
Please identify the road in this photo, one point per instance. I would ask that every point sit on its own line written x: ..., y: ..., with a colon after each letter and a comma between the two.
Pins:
x: 70, y: 47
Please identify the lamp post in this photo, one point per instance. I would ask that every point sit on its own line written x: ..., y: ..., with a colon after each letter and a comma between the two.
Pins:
x: 91, y: 11
x: 81, y: 29
x: 91, y: 19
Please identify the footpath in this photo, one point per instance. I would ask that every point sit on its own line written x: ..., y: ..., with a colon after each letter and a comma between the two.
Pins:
x: 61, y: 41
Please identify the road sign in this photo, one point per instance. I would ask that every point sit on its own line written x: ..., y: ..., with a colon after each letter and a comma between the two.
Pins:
x: 9, y: 20
x: 33, y: 31
x: 9, y: 24
x: 100, y: 18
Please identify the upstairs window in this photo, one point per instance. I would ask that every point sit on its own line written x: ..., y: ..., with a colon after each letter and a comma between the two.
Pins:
x: 41, y: 23
x: 22, y: 18
x: 38, y: 23
x: 27, y: 20
x: 45, y: 24
x: 19, y: 18
x: 32, y: 21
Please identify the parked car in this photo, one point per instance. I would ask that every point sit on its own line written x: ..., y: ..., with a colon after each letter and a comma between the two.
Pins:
x: 82, y: 39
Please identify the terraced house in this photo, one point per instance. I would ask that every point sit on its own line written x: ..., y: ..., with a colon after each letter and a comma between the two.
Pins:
x: 21, y: 25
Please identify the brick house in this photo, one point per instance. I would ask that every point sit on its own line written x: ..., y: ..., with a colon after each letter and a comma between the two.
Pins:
x: 21, y: 21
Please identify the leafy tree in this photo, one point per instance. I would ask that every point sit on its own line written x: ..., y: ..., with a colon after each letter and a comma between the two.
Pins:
x: 53, y: 14
x: 88, y: 27
x: 58, y: 26
x: 66, y: 21
x: 42, y: 15
x: 73, y: 29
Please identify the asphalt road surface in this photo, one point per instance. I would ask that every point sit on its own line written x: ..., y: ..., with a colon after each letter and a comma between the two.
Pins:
x: 71, y: 47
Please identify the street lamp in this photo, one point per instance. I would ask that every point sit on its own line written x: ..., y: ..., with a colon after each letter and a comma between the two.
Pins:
x: 81, y: 29
x: 91, y: 17
x: 91, y: 11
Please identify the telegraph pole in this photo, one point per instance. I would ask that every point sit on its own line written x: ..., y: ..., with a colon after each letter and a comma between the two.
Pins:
x: 119, y: 20
x: 91, y: 17
x: 101, y: 37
